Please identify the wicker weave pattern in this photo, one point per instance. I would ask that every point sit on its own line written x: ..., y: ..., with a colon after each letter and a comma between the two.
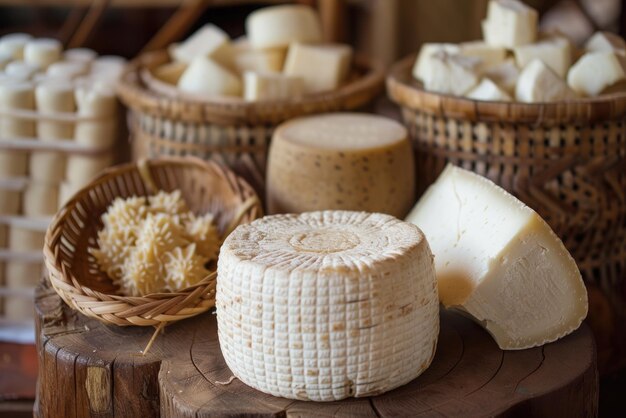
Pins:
x: 73, y: 272
x: 567, y: 164
x: 327, y: 323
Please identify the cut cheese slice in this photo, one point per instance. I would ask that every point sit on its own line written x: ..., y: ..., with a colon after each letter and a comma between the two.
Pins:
x: 271, y: 86
x: 452, y: 74
x: 206, y: 77
x: 596, y: 72
x: 505, y: 75
x: 490, y: 91
x: 537, y: 84
x: 327, y: 305
x: 208, y: 41
x: 322, y: 67
x: 555, y: 52
x: 279, y: 26
x: 498, y: 261
x: 423, y: 62
x: 509, y: 23
x: 606, y: 42
x: 489, y: 54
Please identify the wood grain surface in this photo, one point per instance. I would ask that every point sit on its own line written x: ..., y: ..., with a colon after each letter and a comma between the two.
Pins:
x: 93, y: 370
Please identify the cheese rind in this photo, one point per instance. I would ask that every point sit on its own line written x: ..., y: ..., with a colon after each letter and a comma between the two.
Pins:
x: 497, y: 260
x: 555, y: 52
x: 271, y: 86
x: 537, y: 83
x: 205, y: 76
x: 595, y: 72
x: 336, y: 303
x: 279, y: 26
x: 321, y: 67
x: 452, y: 74
x: 490, y: 91
x: 509, y: 23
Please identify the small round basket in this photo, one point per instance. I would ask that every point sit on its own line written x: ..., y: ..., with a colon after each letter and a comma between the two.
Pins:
x: 232, y: 131
x: 73, y: 271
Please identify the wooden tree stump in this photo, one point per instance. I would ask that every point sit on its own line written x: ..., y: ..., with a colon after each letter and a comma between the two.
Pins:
x: 88, y: 369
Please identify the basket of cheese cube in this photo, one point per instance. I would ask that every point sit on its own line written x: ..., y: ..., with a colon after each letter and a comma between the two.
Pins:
x: 220, y: 99
x: 536, y: 115
x: 58, y: 128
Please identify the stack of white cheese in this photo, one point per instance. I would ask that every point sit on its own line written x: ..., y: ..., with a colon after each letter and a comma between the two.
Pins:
x: 281, y: 57
x: 515, y: 62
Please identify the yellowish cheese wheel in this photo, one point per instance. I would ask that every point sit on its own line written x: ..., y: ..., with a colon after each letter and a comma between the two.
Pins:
x: 345, y: 161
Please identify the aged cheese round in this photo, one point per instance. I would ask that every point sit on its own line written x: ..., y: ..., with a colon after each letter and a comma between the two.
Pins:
x: 42, y: 52
x: 341, y: 161
x: 278, y: 26
x: 327, y: 305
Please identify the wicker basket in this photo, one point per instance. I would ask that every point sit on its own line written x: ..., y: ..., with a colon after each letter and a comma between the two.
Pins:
x: 229, y: 130
x: 567, y: 160
x: 206, y: 187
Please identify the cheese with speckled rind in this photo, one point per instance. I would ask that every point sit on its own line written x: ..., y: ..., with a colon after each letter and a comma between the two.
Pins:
x: 327, y: 305
x: 279, y: 26
x: 321, y: 67
x: 498, y: 261
x: 346, y: 161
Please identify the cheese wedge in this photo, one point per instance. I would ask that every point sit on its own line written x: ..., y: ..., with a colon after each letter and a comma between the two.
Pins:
x: 205, y: 76
x: 327, y: 305
x: 321, y: 67
x: 452, y: 74
x: 499, y: 262
x: 489, y: 54
x: 509, y: 23
x: 423, y: 62
x: 170, y: 72
x: 246, y: 58
x: 279, y: 26
x: 555, y: 52
x: 271, y: 86
x: 490, y: 91
x: 606, y: 42
x: 208, y: 41
x: 505, y: 75
x: 596, y: 72
x: 538, y: 83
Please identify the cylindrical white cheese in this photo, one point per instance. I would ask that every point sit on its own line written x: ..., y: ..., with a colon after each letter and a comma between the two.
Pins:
x: 82, y: 55
x: 67, y: 69
x: 40, y: 199
x: 15, y: 95
x: 42, y: 52
x: 22, y: 70
x: 327, y: 305
x: 13, y: 44
x: 100, y: 102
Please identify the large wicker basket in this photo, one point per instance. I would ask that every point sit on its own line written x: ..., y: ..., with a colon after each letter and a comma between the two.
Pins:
x: 73, y: 272
x: 567, y: 160
x: 228, y: 130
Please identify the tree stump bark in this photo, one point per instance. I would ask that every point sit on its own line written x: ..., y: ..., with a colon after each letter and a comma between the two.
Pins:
x: 88, y: 369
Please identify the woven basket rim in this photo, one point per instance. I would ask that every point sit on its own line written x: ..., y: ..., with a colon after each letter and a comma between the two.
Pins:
x: 136, y: 95
x: 403, y: 90
x: 71, y: 290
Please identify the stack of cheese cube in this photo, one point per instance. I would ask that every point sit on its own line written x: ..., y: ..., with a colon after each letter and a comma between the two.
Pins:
x: 281, y: 57
x: 515, y: 62
x: 58, y: 114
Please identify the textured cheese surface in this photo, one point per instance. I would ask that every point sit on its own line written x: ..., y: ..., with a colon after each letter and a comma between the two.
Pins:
x: 327, y: 305
x: 606, y: 42
x: 279, y: 26
x: 452, y: 73
x: 271, y: 86
x: 488, y: 90
x: 596, y: 71
x: 509, y: 23
x: 556, y: 53
x: 497, y: 260
x: 423, y: 61
x: 538, y: 83
x: 321, y: 67
x: 344, y: 161
x: 205, y: 76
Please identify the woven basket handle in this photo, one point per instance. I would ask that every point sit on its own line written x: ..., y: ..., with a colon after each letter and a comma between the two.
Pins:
x: 144, y: 172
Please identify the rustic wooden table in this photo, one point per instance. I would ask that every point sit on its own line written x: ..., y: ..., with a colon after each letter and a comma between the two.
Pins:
x: 90, y: 369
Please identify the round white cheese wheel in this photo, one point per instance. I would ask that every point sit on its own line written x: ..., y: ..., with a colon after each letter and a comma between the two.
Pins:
x: 327, y: 305
x: 97, y: 100
x: 15, y: 95
x: 42, y: 52
x: 13, y: 44
x: 278, y: 26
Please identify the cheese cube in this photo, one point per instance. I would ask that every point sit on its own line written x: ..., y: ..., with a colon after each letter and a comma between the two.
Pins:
x: 509, y: 23
x: 322, y: 67
x: 205, y: 76
x: 538, y: 83
x: 423, y: 61
x: 279, y: 26
x: 595, y: 72
x: 208, y: 41
x: 555, y: 52
x: 452, y: 74
x: 246, y: 58
x: 271, y: 86
x: 497, y: 260
x: 488, y: 90
x: 505, y: 75
x: 491, y: 55
x: 606, y: 42
x: 170, y: 72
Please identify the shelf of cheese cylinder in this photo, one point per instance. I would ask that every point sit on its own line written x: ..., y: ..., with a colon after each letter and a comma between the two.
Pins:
x: 335, y: 304
x: 499, y: 262
x: 344, y: 161
x: 489, y: 70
